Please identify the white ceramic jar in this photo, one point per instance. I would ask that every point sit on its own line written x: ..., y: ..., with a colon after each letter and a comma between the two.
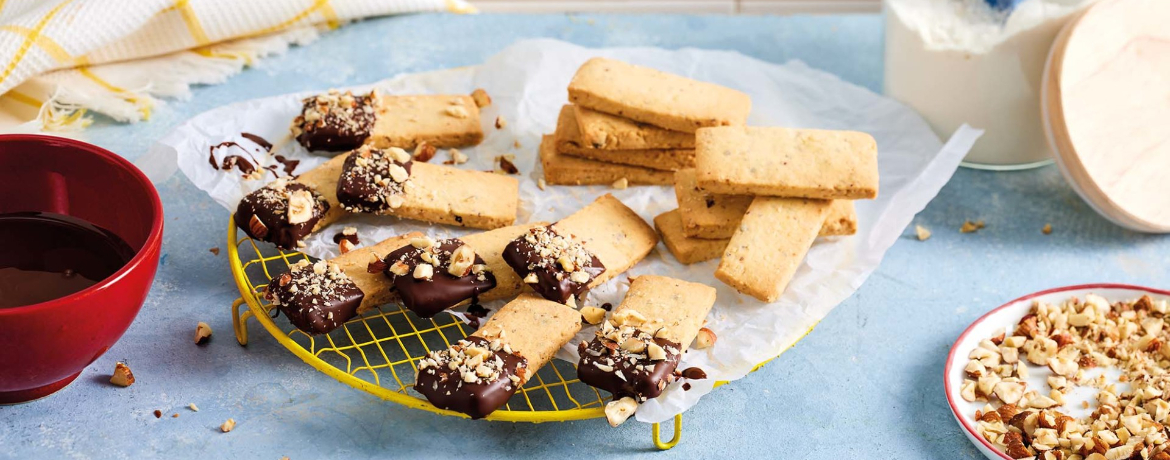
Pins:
x: 957, y: 61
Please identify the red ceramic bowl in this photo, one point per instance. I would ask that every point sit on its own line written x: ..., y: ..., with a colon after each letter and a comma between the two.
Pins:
x: 46, y: 345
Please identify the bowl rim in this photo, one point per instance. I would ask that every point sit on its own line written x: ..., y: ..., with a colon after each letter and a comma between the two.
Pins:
x: 153, y: 239
x: 954, y: 347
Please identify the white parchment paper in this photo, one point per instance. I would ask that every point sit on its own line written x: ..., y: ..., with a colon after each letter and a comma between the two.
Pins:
x: 528, y: 81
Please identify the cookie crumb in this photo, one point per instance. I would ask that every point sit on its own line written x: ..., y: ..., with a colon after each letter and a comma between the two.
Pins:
x: 228, y: 425
x: 1047, y: 230
x: 214, y: 251
x: 621, y: 184
x: 481, y: 98
x: 501, y: 122
x: 922, y: 232
x: 971, y: 227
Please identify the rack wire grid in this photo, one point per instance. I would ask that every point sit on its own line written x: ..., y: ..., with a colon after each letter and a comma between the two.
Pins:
x: 378, y: 351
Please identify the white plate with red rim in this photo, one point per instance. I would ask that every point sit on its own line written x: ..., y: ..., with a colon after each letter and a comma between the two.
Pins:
x: 1005, y: 317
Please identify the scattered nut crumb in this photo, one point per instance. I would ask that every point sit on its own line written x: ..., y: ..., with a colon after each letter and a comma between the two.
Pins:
x: 592, y: 315
x: 344, y: 246
x: 481, y: 98
x: 1047, y: 230
x: 157, y: 413
x: 971, y: 227
x: 501, y: 122
x: 705, y: 339
x: 541, y: 184
x: 922, y: 232
x: 193, y: 407
x: 621, y: 184
x: 619, y: 410
x: 423, y: 152
x: 457, y: 157
x: 214, y: 251
x: 175, y: 415
x: 516, y: 143
x: 122, y: 376
x: 228, y: 426
x: 506, y: 164
x: 202, y: 333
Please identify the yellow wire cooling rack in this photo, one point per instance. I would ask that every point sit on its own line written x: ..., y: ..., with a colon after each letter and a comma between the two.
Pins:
x: 378, y: 351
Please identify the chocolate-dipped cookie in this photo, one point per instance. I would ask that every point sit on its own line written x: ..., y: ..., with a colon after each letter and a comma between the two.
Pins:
x: 373, y: 180
x: 316, y: 298
x: 431, y: 276
x: 475, y: 376
x: 281, y: 212
x: 556, y: 266
x: 628, y: 361
x: 335, y: 121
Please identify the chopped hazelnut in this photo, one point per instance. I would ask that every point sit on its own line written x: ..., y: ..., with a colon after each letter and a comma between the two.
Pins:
x: 922, y: 233
x: 202, y: 333
x: 122, y: 376
x: 593, y: 315
x: 705, y: 339
x: 621, y: 184
x: 619, y: 410
x: 228, y: 425
x: 481, y: 98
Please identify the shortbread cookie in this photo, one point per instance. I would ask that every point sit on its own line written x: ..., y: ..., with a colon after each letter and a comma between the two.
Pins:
x: 479, y: 374
x: 569, y: 142
x: 604, y: 131
x: 430, y: 193
x: 341, y: 121
x: 636, y: 352
x: 658, y: 98
x: 356, y: 264
x: 804, y: 163
x: 379, y: 288
x: 567, y: 170
x: 315, y: 297
x: 431, y: 275
x: 685, y: 249
x: 711, y: 216
x: 772, y: 240
x: 583, y: 250
x: 440, y: 120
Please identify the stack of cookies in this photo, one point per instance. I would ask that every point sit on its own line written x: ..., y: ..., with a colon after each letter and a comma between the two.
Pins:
x: 759, y: 196
x: 632, y: 125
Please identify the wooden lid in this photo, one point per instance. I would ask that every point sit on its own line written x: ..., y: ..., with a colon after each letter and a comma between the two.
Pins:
x: 1106, y: 105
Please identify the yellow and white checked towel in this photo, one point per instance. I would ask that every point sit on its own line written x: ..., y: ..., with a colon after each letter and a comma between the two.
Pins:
x: 60, y: 58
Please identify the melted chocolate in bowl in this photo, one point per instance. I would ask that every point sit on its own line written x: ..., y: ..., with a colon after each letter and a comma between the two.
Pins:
x: 53, y: 255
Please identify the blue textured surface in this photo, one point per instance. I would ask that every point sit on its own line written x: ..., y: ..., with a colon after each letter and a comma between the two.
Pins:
x: 867, y: 383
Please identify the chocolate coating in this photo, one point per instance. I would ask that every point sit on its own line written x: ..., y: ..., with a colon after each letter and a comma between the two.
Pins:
x: 269, y: 205
x: 446, y: 389
x: 642, y: 383
x: 335, y: 122
x: 552, y: 281
x: 426, y: 298
x: 365, y: 184
x: 316, y: 303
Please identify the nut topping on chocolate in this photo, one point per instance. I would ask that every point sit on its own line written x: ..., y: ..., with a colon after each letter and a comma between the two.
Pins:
x: 335, y: 121
x: 557, y: 266
x: 373, y: 180
x: 431, y: 276
x: 626, y: 359
x: 474, y: 376
x: 281, y: 212
x: 316, y: 297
